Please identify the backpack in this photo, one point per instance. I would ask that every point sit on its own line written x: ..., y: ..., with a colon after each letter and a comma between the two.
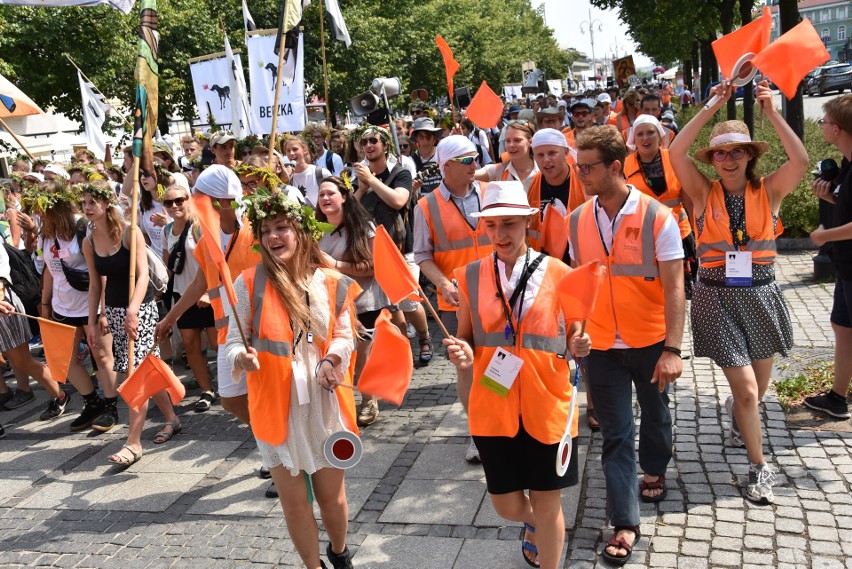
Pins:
x: 25, y: 281
x: 158, y: 274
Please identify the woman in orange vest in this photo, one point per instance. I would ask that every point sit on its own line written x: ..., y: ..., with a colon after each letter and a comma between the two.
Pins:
x: 629, y: 111
x: 517, y: 163
x: 739, y: 318
x: 650, y: 171
x: 299, y: 318
x: 512, y: 327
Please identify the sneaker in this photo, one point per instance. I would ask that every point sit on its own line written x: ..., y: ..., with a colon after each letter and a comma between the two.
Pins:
x: 107, y: 420
x: 35, y: 341
x: 203, y: 404
x: 339, y: 560
x: 91, y: 411
x: 409, y: 330
x: 5, y: 397
x: 369, y: 413
x: 829, y: 402
x: 735, y: 437
x: 760, y: 481
x: 55, y: 407
x: 472, y: 454
x: 19, y: 399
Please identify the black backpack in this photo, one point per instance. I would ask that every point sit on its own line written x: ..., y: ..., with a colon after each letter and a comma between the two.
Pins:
x: 25, y: 281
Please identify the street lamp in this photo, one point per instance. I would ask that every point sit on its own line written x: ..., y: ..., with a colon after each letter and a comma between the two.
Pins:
x: 590, y: 25
x: 616, y: 48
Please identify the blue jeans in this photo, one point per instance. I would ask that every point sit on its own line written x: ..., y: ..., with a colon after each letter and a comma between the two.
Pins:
x: 611, y: 373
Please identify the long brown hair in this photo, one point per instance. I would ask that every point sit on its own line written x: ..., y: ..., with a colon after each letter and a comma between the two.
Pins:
x: 293, y: 286
x: 356, y: 224
x: 59, y: 221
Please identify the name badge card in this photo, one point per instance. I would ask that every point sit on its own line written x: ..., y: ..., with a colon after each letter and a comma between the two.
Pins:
x: 300, y: 376
x: 738, y: 268
x: 501, y: 372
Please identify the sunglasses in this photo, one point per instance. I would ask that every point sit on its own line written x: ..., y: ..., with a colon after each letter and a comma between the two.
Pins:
x: 405, y: 146
x: 145, y: 174
x: 464, y: 160
x: 580, y: 113
x: 722, y: 155
x: 519, y: 122
x: 175, y: 202
x: 371, y: 140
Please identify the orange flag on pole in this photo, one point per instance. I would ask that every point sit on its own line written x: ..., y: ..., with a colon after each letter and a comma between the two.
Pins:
x: 578, y: 290
x: 788, y: 59
x: 152, y: 376
x: 202, y: 205
x: 391, y: 270
x: 387, y: 373
x: 451, y: 65
x: 554, y: 233
x: 59, y: 347
x: 485, y: 108
x: 751, y: 38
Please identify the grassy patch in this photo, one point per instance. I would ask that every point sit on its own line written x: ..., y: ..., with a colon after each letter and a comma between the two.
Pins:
x: 816, y: 377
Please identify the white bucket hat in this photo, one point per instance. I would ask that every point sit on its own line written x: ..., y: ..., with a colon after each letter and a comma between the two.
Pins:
x: 505, y: 199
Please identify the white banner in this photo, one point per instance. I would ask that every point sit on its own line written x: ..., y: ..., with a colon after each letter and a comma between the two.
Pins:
x: 94, y: 115
x: 554, y: 87
x: 263, y: 73
x: 122, y: 5
x: 241, y: 120
x: 211, y: 81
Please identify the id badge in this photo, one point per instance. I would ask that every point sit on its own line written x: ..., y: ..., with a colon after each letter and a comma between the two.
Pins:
x: 501, y: 372
x: 64, y: 253
x: 300, y: 378
x: 738, y: 268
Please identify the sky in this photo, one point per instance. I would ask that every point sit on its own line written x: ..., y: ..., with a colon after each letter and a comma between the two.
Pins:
x: 566, y: 16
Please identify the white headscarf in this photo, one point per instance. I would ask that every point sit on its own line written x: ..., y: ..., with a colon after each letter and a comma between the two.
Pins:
x: 647, y: 119
x: 451, y: 147
x: 219, y: 182
x: 549, y: 136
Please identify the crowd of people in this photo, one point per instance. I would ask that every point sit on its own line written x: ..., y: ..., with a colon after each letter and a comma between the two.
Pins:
x: 472, y: 212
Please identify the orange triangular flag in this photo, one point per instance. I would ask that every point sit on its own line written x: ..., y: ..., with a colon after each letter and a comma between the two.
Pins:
x: 58, y: 347
x: 554, y: 234
x: 207, y: 217
x: 387, y: 373
x: 792, y: 56
x: 751, y: 38
x: 391, y: 270
x: 485, y: 108
x: 578, y: 290
x: 451, y: 65
x: 149, y: 378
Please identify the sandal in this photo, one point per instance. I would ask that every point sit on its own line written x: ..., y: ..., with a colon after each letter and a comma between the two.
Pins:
x: 592, y: 420
x: 204, y: 401
x: 163, y: 435
x: 526, y: 546
x: 425, y: 349
x: 621, y: 543
x: 658, y: 484
x: 124, y: 460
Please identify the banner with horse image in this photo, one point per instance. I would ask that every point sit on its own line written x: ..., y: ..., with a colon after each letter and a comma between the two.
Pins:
x: 263, y: 74
x: 211, y: 80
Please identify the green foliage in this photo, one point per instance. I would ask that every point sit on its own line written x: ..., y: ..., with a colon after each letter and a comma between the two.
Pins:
x: 816, y: 377
x: 800, y: 209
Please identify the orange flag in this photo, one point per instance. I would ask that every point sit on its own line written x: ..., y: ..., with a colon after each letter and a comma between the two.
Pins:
x: 578, y: 290
x: 149, y: 378
x: 792, y: 56
x: 387, y: 373
x: 554, y: 234
x: 58, y: 347
x: 450, y: 63
x: 485, y: 108
x: 752, y: 37
x: 202, y: 205
x: 391, y: 270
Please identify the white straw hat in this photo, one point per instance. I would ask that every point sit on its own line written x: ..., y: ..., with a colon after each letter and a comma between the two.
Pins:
x: 505, y: 199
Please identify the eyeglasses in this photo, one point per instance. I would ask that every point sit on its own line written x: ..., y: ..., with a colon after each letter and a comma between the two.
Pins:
x: 586, y: 169
x: 175, y: 202
x: 251, y: 184
x: 464, y: 160
x: 722, y: 155
x: 823, y: 122
x: 371, y: 140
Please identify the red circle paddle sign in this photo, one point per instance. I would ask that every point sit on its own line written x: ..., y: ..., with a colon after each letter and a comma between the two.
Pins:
x: 343, y: 449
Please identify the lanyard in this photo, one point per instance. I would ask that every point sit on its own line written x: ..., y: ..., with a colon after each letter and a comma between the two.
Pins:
x: 310, y: 336
x: 600, y: 233
x: 739, y: 236
x: 520, y: 290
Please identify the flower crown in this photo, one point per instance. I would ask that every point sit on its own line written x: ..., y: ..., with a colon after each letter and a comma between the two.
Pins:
x: 37, y: 199
x: 101, y: 192
x: 267, y: 177
x: 265, y: 205
x: 88, y: 171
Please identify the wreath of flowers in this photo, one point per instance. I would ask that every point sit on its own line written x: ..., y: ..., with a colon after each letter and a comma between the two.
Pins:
x: 37, y: 199
x: 101, y: 192
x: 268, y: 179
x: 265, y: 205
x: 88, y: 171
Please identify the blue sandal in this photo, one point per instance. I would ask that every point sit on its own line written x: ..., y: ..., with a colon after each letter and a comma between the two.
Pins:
x: 527, y: 546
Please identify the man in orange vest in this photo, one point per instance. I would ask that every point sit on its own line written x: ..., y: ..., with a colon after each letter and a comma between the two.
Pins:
x: 447, y: 237
x: 636, y: 327
x: 582, y: 118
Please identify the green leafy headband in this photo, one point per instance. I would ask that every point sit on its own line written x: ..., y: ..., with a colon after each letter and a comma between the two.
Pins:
x: 88, y: 171
x: 265, y: 205
x: 101, y: 192
x: 267, y: 177
x: 39, y: 200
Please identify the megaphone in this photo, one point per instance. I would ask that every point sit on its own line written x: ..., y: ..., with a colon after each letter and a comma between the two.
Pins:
x: 390, y: 85
x: 364, y: 104
x: 8, y: 102
x: 535, y: 83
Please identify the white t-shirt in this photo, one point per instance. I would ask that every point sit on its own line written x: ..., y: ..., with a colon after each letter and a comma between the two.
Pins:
x: 154, y: 232
x: 190, y: 266
x: 482, y: 141
x: 336, y: 162
x: 65, y: 299
x: 307, y: 183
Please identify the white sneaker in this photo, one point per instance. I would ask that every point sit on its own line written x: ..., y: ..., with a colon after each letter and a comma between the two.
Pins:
x: 760, y: 481
x: 735, y: 437
x: 472, y: 454
x: 409, y: 330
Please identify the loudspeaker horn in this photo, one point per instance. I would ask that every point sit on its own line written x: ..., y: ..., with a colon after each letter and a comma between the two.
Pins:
x: 392, y: 86
x: 364, y: 104
x: 535, y: 83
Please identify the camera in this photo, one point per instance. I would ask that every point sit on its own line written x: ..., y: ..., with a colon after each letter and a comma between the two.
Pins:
x: 827, y: 170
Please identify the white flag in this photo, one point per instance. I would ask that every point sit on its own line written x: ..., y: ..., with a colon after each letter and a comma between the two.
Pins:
x: 123, y: 5
x: 247, y: 19
x: 337, y: 24
x: 94, y: 115
x: 212, y: 88
x: 263, y: 74
x: 240, y: 111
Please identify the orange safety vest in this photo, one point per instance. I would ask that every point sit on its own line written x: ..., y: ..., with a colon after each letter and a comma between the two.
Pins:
x: 621, y: 122
x: 631, y: 300
x: 570, y: 138
x: 542, y: 391
x: 576, y: 197
x: 716, y: 237
x: 240, y: 256
x: 455, y: 242
x: 272, y: 337
x: 672, y: 197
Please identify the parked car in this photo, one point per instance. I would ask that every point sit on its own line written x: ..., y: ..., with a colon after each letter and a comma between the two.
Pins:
x: 837, y: 77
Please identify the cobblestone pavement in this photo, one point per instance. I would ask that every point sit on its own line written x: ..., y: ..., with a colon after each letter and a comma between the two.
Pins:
x: 414, y: 502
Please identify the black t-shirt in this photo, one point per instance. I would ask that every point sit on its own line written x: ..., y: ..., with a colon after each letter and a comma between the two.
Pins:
x: 397, y: 222
x: 559, y: 192
x: 428, y: 172
x: 841, y: 251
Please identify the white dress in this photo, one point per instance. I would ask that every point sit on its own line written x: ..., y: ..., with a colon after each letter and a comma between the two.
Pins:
x: 310, y: 424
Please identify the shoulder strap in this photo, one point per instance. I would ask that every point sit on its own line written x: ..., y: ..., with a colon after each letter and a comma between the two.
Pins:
x: 329, y: 161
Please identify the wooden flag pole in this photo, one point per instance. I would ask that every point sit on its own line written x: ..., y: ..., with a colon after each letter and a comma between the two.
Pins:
x: 437, y: 318
x: 324, y: 66
x: 134, y: 220
x: 18, y: 140
x: 279, y: 80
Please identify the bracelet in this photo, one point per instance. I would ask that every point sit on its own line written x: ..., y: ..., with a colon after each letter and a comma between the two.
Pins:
x: 672, y: 349
x: 319, y: 364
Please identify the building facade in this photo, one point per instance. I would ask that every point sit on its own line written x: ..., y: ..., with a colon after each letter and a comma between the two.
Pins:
x: 832, y: 20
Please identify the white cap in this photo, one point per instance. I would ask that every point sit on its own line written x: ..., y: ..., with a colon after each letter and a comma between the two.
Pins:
x: 57, y: 170
x: 505, y: 199
x: 604, y: 98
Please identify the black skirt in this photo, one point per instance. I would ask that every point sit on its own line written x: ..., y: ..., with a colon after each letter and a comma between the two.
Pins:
x: 195, y: 318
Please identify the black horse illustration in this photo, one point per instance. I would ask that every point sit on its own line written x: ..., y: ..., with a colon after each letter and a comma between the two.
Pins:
x: 274, y: 70
x: 224, y: 93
